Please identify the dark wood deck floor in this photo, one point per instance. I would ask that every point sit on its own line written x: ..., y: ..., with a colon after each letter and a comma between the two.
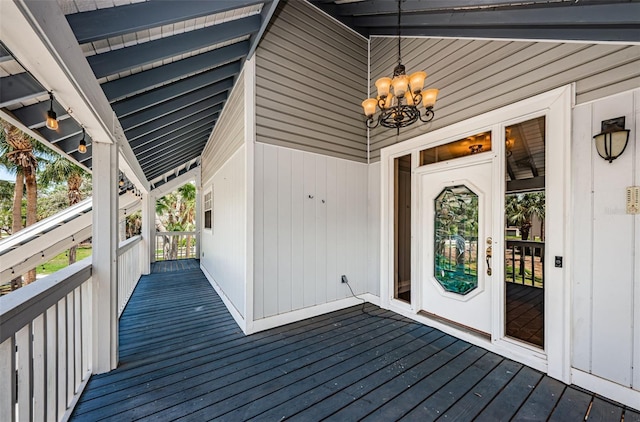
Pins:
x: 183, y: 357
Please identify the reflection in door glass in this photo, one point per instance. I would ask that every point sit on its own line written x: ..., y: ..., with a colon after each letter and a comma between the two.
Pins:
x: 524, y: 231
x: 456, y: 239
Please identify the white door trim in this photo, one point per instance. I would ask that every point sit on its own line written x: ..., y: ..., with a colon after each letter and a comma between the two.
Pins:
x: 556, y: 106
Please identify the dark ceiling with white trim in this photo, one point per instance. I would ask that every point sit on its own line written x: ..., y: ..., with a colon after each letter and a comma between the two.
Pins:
x: 167, y: 66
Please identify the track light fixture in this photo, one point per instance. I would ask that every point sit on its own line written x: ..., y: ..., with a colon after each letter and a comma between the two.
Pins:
x: 52, y: 118
x: 82, y: 147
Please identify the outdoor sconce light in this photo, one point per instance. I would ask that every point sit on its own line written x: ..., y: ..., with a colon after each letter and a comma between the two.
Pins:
x: 612, y: 140
x: 82, y: 147
x: 52, y: 118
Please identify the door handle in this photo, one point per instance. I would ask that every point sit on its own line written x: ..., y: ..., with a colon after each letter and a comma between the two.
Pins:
x: 488, y: 254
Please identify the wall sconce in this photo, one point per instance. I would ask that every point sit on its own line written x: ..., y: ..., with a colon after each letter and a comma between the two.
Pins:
x: 612, y: 140
x: 52, y: 118
x: 82, y: 146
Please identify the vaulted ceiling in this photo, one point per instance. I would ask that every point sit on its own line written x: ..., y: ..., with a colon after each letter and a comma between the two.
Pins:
x: 167, y: 67
x: 592, y: 20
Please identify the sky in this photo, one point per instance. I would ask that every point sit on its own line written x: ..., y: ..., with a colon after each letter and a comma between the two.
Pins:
x: 5, y: 175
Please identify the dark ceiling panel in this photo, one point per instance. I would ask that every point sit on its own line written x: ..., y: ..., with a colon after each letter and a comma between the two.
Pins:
x: 66, y: 128
x: 171, y: 106
x: 110, y: 22
x: 174, y: 161
x: 152, y: 154
x: 161, y: 143
x: 70, y: 144
x: 175, y: 134
x: 123, y: 59
x: 206, y: 106
x: 218, y: 79
x: 142, y: 81
x: 18, y: 88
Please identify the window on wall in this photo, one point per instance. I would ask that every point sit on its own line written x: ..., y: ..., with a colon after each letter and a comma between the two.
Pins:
x: 208, y: 217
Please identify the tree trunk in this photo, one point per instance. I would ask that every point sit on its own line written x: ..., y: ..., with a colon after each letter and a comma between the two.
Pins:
x: 32, y: 210
x: 16, y: 224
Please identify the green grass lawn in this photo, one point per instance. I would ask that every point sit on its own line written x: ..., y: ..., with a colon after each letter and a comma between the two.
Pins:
x: 62, y: 260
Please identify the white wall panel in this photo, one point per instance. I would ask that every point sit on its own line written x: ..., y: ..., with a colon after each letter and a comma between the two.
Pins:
x: 374, y: 206
x: 311, y: 224
x: 604, y: 278
x: 223, y: 247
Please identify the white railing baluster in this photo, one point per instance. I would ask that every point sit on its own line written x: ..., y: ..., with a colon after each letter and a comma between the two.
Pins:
x: 70, y: 350
x: 39, y: 369
x: 25, y: 372
x: 51, y: 322
x: 181, y: 245
x: 62, y: 356
x: 77, y: 337
x: 8, y: 377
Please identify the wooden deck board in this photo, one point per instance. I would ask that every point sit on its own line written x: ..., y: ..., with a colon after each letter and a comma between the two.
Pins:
x: 183, y: 357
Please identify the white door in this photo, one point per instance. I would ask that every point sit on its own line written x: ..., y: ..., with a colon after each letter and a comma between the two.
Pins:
x: 456, y: 230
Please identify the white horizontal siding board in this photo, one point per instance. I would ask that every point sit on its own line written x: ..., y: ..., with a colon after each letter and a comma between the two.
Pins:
x: 258, y: 239
x: 307, y: 143
x: 270, y: 209
x: 298, y: 201
x: 284, y: 230
x: 582, y: 268
x: 611, y: 89
x: 332, y: 206
x: 309, y: 283
x: 321, y: 229
x: 613, y: 245
x: 607, y: 76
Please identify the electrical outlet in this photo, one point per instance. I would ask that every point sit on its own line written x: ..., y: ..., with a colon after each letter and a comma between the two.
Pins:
x: 344, y: 279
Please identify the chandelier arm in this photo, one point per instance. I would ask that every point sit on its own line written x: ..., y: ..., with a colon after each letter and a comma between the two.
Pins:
x: 428, y: 115
x: 373, y: 123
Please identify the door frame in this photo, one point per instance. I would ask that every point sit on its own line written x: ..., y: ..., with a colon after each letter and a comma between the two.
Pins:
x: 556, y: 106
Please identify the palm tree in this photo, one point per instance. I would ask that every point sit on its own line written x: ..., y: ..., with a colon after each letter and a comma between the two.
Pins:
x: 57, y: 170
x: 18, y: 148
x: 176, y: 212
x: 521, y: 208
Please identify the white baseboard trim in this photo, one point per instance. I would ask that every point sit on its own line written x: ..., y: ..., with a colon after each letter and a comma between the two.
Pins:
x: 608, y: 389
x: 237, y: 316
x: 300, y: 314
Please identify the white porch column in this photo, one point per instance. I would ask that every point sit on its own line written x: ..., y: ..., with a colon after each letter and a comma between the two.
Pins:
x: 105, y: 257
x: 148, y: 231
x: 198, y: 210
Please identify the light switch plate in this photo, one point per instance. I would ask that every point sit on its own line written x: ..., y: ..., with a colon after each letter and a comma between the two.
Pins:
x: 633, y: 200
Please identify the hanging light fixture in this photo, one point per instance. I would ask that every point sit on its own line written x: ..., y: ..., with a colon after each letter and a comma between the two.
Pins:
x: 52, y: 118
x: 82, y: 146
x: 400, y: 108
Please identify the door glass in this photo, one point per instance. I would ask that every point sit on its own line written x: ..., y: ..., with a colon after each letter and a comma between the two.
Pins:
x: 402, y: 279
x: 456, y: 239
x: 524, y: 226
x: 470, y: 145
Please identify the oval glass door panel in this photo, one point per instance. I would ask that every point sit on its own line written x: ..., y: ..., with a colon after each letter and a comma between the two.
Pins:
x: 456, y: 239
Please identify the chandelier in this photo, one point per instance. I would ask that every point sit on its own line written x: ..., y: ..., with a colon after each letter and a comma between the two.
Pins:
x: 400, y: 108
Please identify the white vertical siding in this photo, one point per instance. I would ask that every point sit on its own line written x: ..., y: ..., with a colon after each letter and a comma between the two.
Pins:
x: 606, y: 284
x: 476, y: 76
x: 311, y: 79
x: 374, y: 228
x: 310, y: 228
x: 223, y: 247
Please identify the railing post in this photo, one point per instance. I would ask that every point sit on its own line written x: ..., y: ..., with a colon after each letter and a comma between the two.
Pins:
x: 148, y: 231
x: 198, y: 210
x: 105, y: 257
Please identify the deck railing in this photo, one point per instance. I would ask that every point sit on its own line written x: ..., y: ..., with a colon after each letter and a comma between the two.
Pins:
x: 45, y: 345
x: 129, y: 269
x: 524, y: 261
x: 175, y: 245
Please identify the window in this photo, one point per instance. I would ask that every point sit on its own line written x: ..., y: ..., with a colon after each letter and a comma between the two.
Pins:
x: 474, y: 144
x: 208, y: 209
